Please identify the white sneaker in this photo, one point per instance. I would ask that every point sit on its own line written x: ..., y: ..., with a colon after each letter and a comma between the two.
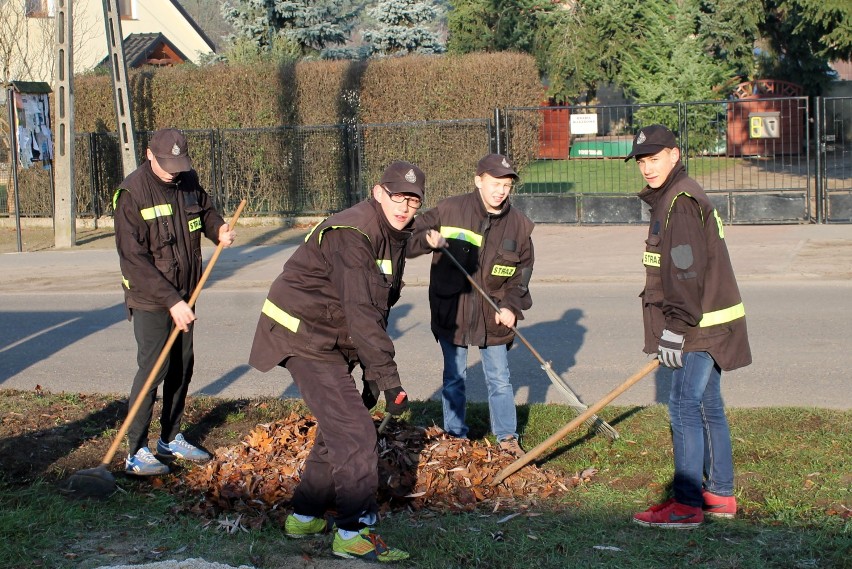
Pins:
x: 144, y: 463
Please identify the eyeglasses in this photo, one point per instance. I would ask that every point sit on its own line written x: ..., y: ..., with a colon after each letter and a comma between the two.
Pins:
x: 413, y: 202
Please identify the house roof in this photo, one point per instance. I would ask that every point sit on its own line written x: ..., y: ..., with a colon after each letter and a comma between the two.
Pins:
x: 138, y: 49
x: 34, y: 87
x: 194, y: 24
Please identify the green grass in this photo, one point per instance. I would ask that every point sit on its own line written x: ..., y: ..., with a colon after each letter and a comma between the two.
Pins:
x: 581, y: 176
x: 705, y: 165
x: 794, y: 476
x: 601, y: 175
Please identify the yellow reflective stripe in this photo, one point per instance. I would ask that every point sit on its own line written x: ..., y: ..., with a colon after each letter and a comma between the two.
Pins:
x: 385, y: 266
x: 722, y: 316
x: 115, y: 197
x: 502, y: 271
x: 157, y: 211
x: 322, y: 233
x: 462, y: 235
x: 719, y: 224
x: 286, y: 320
x: 311, y: 232
x: 125, y: 282
x: 701, y: 211
x: 194, y: 224
x: 651, y: 259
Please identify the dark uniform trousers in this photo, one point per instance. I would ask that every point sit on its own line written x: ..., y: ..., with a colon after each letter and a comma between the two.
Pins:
x: 152, y: 330
x: 341, y: 471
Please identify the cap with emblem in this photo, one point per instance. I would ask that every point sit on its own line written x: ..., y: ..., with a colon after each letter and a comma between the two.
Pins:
x: 169, y: 147
x: 404, y: 178
x: 496, y: 165
x: 650, y: 140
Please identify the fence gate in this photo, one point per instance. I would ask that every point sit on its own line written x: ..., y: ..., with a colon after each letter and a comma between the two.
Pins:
x: 752, y: 157
x: 834, y: 158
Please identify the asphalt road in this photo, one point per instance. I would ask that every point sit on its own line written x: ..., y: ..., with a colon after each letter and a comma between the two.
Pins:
x: 591, y: 332
x: 63, y: 326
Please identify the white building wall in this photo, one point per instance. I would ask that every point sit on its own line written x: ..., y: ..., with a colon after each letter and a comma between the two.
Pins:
x: 33, y: 57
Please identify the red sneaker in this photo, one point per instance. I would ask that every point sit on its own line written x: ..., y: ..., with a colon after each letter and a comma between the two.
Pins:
x: 670, y: 515
x: 719, y: 506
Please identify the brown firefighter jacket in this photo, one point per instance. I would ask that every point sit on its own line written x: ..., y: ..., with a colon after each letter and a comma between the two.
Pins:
x: 690, y: 287
x: 495, y: 249
x: 331, y: 302
x: 158, y: 227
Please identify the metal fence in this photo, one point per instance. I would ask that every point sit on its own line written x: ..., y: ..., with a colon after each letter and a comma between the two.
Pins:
x: 755, y: 158
x: 446, y: 151
x: 834, y: 159
x: 751, y: 156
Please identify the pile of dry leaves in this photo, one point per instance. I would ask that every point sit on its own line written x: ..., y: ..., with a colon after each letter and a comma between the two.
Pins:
x: 419, y: 468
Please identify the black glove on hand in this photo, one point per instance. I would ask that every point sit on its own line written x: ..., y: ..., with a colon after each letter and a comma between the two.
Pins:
x: 396, y: 401
x: 370, y: 394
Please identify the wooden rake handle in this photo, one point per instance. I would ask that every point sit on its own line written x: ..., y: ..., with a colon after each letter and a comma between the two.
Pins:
x: 578, y: 420
x: 131, y: 414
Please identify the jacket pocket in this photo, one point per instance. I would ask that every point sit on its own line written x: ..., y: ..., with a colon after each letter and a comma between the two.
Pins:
x: 168, y: 267
x: 194, y: 227
x: 380, y: 289
x: 447, y: 281
x: 445, y: 311
x: 652, y: 308
x: 504, y: 266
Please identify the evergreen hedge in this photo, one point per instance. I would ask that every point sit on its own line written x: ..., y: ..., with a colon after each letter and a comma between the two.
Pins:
x: 310, y: 93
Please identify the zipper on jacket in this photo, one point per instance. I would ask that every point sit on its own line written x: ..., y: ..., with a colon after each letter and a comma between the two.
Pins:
x: 477, y: 304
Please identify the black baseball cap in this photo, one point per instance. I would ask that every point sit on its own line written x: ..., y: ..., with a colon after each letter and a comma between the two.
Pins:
x: 496, y: 165
x: 170, y: 147
x: 404, y: 178
x: 650, y: 140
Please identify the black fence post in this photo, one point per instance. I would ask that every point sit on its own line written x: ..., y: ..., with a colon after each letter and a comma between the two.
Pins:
x: 494, y: 134
x: 819, y: 111
x: 352, y: 172
x: 96, y: 209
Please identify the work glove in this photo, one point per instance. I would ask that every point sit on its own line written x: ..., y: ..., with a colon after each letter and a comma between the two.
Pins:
x: 670, y: 350
x: 396, y: 401
x: 370, y: 394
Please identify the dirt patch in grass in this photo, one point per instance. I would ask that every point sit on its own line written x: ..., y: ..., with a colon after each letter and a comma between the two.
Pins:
x: 48, y: 436
x: 255, y: 443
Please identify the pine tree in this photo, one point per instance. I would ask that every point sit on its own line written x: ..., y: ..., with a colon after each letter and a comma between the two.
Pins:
x: 401, y: 28
x: 311, y: 24
x: 669, y: 63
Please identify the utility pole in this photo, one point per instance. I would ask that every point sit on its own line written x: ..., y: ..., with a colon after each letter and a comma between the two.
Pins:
x: 123, y: 115
x: 65, y: 196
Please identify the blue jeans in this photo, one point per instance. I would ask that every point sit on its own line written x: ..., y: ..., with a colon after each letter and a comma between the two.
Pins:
x: 700, y: 435
x: 501, y: 397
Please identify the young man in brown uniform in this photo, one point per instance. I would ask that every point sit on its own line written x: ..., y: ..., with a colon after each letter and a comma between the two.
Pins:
x: 695, y: 322
x: 161, y: 212
x: 492, y: 240
x: 326, y: 313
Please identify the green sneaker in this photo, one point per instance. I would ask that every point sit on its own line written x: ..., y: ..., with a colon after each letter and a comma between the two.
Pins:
x: 367, y: 546
x: 297, y: 529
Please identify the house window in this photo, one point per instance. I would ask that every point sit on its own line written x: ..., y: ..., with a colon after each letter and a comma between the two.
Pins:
x: 126, y: 9
x: 40, y: 8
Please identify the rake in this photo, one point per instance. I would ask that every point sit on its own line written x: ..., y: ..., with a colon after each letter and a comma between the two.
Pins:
x: 99, y: 482
x: 593, y: 421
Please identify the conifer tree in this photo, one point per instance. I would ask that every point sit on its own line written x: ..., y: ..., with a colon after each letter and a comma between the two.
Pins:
x: 402, y: 28
x: 311, y: 24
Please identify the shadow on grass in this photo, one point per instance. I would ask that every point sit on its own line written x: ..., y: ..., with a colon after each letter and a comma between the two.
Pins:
x: 34, y: 454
